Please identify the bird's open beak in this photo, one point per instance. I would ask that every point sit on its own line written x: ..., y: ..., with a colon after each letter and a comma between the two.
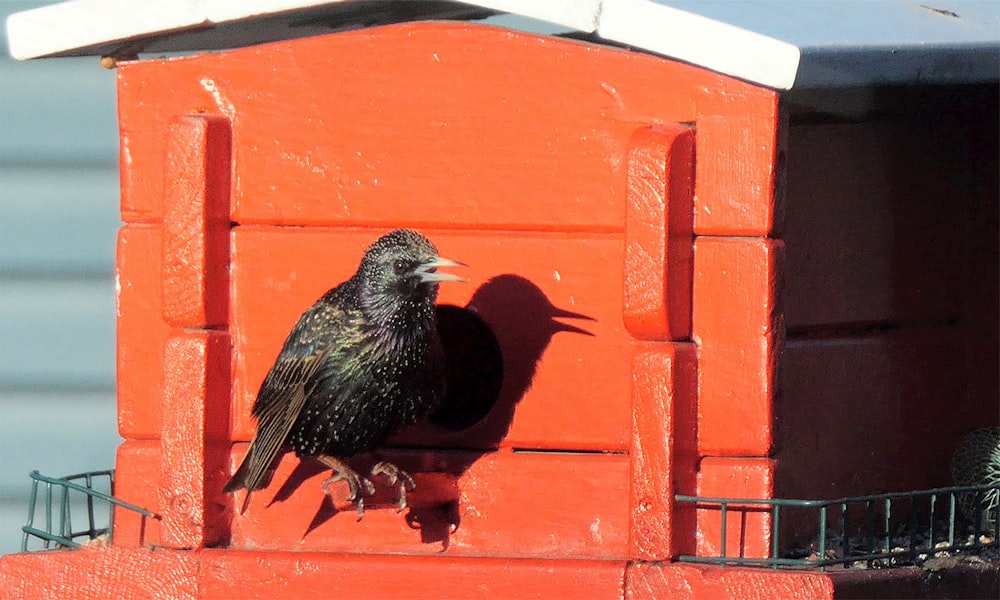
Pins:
x: 428, y: 270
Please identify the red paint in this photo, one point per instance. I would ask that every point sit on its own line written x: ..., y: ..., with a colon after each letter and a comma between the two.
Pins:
x: 372, y: 127
x: 738, y: 326
x: 658, y: 233
x: 652, y: 204
x: 656, y: 580
x: 574, y: 272
x: 748, y: 526
x: 664, y: 450
x: 142, y: 333
x: 194, y: 442
x: 196, y: 222
x: 99, y: 573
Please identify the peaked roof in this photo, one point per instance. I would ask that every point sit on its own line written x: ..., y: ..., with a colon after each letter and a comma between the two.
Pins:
x: 775, y: 43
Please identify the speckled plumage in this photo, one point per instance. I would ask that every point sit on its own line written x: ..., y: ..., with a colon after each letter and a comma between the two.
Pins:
x: 360, y: 364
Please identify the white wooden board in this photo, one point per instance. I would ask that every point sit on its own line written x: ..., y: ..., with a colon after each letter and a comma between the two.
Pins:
x: 776, y: 43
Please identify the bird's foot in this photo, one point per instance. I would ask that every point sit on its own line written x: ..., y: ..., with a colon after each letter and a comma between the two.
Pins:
x: 396, y: 477
x: 359, y: 486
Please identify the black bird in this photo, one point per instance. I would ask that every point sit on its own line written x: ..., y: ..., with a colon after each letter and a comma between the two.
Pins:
x: 361, y: 364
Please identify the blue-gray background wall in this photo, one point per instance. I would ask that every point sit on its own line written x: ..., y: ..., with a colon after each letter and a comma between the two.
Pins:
x: 58, y: 221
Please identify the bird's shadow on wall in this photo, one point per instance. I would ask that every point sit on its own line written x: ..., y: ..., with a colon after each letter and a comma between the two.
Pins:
x: 493, y: 346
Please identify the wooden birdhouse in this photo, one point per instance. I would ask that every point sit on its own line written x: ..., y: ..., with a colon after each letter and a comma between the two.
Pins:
x: 710, y: 255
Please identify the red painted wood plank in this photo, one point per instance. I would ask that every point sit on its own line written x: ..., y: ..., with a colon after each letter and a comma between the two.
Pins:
x: 196, y: 222
x: 562, y: 389
x: 748, y: 526
x: 495, y: 152
x: 294, y: 575
x: 142, y: 332
x: 738, y: 147
x: 659, y: 242
x: 664, y: 451
x: 98, y: 573
x: 681, y: 582
x: 738, y: 325
x: 131, y: 574
x: 542, y: 357
x: 101, y: 573
x: 137, y: 478
x: 495, y: 504
x: 194, y: 441
x: 881, y: 413
x: 499, y: 504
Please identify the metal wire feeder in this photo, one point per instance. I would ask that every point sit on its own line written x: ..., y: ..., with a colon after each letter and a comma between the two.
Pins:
x: 56, y: 511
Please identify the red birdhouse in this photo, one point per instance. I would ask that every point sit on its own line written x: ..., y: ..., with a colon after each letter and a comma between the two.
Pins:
x: 681, y: 282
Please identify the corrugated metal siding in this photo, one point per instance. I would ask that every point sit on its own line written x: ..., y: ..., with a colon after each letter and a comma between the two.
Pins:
x: 58, y: 218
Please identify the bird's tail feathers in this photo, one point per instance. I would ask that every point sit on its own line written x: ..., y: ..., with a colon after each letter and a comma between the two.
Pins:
x: 275, y: 422
x: 253, y: 474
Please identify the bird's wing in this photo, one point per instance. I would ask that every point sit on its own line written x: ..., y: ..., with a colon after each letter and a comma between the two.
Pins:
x: 278, y: 405
x: 290, y: 370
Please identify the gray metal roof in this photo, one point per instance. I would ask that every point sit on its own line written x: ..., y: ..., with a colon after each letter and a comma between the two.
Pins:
x: 776, y: 43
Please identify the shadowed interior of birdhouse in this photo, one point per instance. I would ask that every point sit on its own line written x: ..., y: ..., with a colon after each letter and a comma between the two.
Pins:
x: 891, y: 298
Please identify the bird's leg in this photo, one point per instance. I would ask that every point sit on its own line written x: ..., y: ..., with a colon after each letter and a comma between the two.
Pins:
x: 360, y: 486
x: 396, y: 476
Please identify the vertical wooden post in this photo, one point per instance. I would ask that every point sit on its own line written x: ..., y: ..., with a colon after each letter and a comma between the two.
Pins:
x: 659, y: 248
x: 196, y: 360
x: 664, y: 451
x: 659, y: 238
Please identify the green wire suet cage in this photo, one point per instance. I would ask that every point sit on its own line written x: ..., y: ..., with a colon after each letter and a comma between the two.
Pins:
x: 57, y: 502
x: 877, y: 531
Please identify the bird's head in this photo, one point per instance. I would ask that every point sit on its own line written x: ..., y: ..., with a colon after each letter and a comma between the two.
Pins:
x: 399, y: 277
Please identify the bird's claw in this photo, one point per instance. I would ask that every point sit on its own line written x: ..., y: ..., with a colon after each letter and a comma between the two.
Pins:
x: 359, y: 486
x: 396, y: 477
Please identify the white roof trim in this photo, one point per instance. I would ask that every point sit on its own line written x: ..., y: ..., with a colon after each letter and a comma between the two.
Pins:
x: 98, y: 27
x: 65, y: 26
x: 702, y: 41
x: 776, y: 43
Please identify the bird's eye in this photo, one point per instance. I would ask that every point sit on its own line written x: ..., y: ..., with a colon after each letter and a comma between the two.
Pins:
x: 401, y: 267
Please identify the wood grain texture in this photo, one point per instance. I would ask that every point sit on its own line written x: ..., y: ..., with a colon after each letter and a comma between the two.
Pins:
x: 651, y: 581
x: 196, y: 222
x: 737, y: 166
x: 137, y: 480
x: 354, y: 123
x: 664, y: 451
x: 194, y: 447
x: 100, y: 573
x: 517, y: 504
x: 737, y: 322
x: 659, y: 241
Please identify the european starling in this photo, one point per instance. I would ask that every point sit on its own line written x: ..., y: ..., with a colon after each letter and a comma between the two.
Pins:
x: 360, y: 365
